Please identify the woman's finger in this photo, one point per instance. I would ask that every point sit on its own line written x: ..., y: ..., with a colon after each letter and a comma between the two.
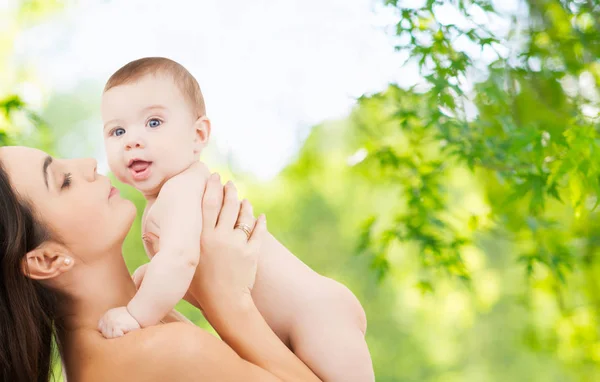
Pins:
x: 258, y: 233
x: 245, y: 219
x: 231, y: 207
x: 211, y: 202
x: 249, y: 209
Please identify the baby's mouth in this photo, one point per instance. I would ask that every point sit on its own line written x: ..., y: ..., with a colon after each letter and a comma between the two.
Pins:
x: 140, y: 169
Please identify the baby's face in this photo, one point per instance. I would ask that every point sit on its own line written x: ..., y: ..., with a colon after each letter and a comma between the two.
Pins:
x: 148, y: 132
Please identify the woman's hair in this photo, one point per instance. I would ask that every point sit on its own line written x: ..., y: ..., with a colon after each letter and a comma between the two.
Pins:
x: 27, y: 309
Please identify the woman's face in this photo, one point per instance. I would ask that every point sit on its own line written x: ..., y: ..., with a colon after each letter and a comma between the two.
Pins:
x: 76, y: 203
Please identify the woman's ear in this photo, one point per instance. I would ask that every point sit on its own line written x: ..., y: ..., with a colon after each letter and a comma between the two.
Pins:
x: 47, y: 261
x: 201, y: 133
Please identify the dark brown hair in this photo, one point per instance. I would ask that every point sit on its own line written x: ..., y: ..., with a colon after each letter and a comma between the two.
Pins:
x: 137, y: 69
x: 28, y: 310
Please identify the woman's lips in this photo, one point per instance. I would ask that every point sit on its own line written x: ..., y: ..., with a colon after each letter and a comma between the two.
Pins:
x: 140, y: 170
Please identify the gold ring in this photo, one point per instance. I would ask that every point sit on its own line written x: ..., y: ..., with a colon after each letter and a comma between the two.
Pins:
x: 245, y: 228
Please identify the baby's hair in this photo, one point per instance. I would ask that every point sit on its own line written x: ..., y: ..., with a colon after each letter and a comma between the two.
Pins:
x: 137, y: 69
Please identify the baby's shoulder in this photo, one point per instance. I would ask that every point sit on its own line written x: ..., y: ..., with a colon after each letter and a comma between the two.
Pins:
x: 192, y: 179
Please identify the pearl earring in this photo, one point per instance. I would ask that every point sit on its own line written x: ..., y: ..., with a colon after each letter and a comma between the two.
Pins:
x: 67, y: 261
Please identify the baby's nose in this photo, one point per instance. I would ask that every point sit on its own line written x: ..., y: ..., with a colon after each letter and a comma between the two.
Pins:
x: 133, y: 144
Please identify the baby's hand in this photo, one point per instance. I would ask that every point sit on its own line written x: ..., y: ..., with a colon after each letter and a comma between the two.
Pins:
x: 117, y: 322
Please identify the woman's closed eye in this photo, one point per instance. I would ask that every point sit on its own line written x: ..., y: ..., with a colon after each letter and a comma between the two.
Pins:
x: 67, y: 181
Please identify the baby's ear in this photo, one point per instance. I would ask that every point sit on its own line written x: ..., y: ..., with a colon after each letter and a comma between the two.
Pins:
x: 201, y: 133
x: 47, y: 261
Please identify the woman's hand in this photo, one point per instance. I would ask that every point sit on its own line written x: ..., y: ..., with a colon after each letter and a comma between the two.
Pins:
x: 228, y: 256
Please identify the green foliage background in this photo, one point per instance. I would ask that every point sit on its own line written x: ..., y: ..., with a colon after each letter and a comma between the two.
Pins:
x: 462, y: 211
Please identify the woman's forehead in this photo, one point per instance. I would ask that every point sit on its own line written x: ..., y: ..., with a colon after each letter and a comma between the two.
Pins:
x: 24, y: 165
x: 13, y: 157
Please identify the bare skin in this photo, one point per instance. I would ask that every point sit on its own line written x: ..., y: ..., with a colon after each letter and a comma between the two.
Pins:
x: 150, y: 120
x: 87, y: 267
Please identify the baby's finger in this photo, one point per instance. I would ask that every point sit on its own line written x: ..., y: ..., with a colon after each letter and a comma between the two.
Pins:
x: 105, y: 331
x: 116, y: 331
x: 152, y: 243
x: 258, y: 233
x: 212, y: 201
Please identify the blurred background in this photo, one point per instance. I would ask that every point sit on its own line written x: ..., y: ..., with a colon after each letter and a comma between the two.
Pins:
x: 439, y: 157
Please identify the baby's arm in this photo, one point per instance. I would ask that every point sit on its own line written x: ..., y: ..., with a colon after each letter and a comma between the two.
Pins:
x: 168, y: 276
x: 171, y: 270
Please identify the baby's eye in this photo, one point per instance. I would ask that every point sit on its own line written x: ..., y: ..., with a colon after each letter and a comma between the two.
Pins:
x: 154, y: 122
x: 118, y: 131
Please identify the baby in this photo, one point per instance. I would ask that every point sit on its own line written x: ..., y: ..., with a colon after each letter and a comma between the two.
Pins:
x: 155, y: 128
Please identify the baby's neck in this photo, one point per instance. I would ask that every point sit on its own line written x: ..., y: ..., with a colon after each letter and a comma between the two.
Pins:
x: 152, y: 195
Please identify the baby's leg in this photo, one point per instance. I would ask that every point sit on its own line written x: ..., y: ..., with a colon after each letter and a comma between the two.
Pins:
x: 318, y: 318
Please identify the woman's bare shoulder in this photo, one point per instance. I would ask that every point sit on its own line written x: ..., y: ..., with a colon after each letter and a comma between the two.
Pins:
x: 176, y: 351
x: 157, y: 353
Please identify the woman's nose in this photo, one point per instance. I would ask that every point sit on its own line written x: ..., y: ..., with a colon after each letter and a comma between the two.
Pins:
x: 90, y: 165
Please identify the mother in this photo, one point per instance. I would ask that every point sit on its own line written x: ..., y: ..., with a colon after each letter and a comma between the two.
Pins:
x: 62, y: 228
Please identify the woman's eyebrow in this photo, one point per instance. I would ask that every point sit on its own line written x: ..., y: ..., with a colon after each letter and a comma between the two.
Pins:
x: 47, y: 163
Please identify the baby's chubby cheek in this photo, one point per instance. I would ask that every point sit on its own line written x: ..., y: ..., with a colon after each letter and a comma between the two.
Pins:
x: 115, y: 163
x: 120, y: 172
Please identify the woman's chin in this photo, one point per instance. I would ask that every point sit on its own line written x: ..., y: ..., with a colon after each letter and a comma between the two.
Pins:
x: 125, y: 222
x: 132, y: 210
x: 127, y: 214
